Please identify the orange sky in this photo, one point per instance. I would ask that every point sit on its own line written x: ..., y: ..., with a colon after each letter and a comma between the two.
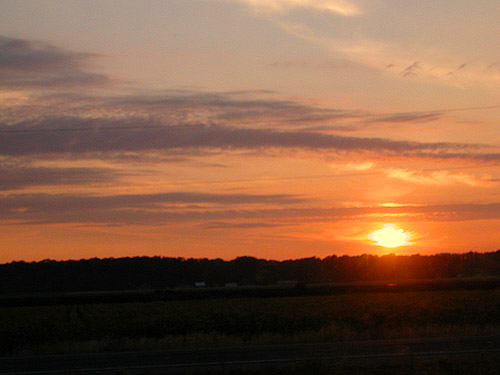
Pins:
x: 220, y: 128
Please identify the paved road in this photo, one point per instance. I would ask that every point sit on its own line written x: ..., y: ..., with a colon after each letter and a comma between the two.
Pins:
x: 172, y: 361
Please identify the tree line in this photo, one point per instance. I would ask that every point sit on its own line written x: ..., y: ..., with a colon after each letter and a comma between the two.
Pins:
x: 161, y: 272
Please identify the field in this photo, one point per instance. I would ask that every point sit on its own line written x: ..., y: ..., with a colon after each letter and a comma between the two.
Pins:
x: 32, y: 330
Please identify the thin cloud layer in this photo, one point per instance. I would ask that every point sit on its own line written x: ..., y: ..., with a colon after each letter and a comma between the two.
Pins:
x: 16, y: 176
x: 344, y: 8
x: 439, y: 178
x: 130, y: 208
x: 49, y: 202
x: 159, y: 209
x: 408, y: 117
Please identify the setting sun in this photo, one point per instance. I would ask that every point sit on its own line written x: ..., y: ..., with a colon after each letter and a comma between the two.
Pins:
x: 390, y: 236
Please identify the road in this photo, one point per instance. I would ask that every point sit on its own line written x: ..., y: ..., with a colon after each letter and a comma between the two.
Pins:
x: 174, y: 361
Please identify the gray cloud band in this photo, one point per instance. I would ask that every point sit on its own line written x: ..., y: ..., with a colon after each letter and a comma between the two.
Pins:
x: 75, y: 135
x: 157, y: 209
x: 16, y: 176
x: 25, y: 63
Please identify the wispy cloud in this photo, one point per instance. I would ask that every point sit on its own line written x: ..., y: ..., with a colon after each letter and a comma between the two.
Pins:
x: 17, y: 176
x: 230, y: 108
x: 423, y: 62
x: 462, y: 66
x: 236, y: 225
x: 132, y: 208
x: 412, y: 70
x: 345, y: 8
x: 362, y: 166
x: 236, y: 210
x: 408, y: 117
x: 245, y: 108
x: 439, y: 178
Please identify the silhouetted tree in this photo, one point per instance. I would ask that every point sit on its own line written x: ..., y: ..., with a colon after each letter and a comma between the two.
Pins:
x: 159, y: 273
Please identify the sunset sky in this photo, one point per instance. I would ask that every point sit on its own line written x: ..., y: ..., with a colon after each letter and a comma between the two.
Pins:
x: 272, y: 128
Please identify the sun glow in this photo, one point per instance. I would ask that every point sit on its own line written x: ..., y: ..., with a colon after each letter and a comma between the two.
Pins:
x: 390, y: 236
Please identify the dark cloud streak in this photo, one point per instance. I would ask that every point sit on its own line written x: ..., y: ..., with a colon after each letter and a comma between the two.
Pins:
x: 159, y: 209
x: 25, y: 63
x: 409, y: 117
x: 411, y: 70
x: 56, y: 202
x: 115, y: 137
x: 19, y: 176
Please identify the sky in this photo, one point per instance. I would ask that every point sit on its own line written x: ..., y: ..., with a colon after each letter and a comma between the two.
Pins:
x: 279, y: 129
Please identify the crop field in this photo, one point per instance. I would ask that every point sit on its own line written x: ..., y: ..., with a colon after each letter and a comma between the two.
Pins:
x: 32, y: 330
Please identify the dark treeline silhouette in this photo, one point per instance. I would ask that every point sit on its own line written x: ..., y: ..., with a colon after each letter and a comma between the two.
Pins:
x: 158, y: 273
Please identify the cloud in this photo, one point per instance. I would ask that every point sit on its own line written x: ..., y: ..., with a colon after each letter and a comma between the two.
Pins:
x: 80, y: 135
x: 128, y: 208
x: 482, y: 157
x: 428, y: 63
x: 232, y: 225
x: 344, y: 8
x: 179, y: 121
x: 363, y: 166
x: 411, y: 70
x: 190, y: 122
x: 332, y: 64
x: 251, y: 108
x: 462, y: 66
x: 213, y: 210
x: 16, y: 176
x: 231, y: 108
x: 69, y: 201
x: 439, y: 178
x: 25, y: 63
x: 408, y: 117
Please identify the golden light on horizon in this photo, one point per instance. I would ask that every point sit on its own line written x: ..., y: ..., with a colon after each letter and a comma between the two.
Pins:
x: 390, y: 236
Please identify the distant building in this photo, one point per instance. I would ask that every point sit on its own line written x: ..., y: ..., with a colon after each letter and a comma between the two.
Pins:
x: 231, y: 285
x: 200, y: 284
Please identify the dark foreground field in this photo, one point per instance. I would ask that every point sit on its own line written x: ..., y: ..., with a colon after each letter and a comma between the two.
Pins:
x: 241, y: 321
x: 479, y: 355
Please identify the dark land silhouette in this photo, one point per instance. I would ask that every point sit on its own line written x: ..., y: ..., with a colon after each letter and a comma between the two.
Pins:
x: 151, y: 303
x: 119, y: 274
